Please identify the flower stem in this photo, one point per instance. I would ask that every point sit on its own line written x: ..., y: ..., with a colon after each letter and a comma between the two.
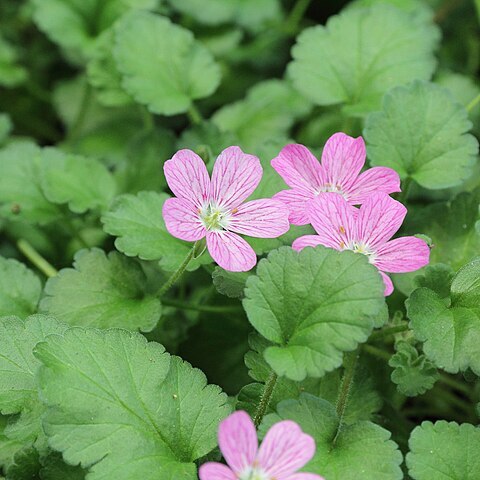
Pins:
x: 37, y: 260
x: 387, y: 331
x: 177, y: 273
x: 200, y: 308
x: 147, y: 118
x: 407, y: 185
x: 471, y: 105
x: 296, y: 15
x: 194, y: 115
x: 349, y: 363
x: 265, y: 399
x: 376, y: 352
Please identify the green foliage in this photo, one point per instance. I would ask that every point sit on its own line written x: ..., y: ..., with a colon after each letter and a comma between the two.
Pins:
x: 11, y: 74
x: 162, y: 65
x: 102, y: 291
x: 421, y: 133
x: 451, y: 331
x: 413, y: 373
x: 359, y: 55
x: 20, y: 289
x: 137, y: 222
x: 136, y: 410
x: 342, y: 452
x: 313, y: 305
x: 444, y: 450
x: 231, y: 284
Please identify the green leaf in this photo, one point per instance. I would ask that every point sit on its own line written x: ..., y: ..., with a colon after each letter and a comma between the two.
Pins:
x: 102, y: 73
x: 269, y: 110
x: 163, y: 66
x: 360, y: 54
x: 230, y: 284
x: 444, y: 450
x: 18, y: 384
x: 102, y: 291
x: 361, y: 451
x: 20, y: 289
x: 83, y: 183
x: 451, y: 332
x: 137, y: 222
x: 21, y: 194
x: 437, y: 278
x: 413, y: 373
x: 125, y: 408
x: 314, y: 305
x: 54, y: 468
x: 453, y: 227
x: 77, y: 24
x: 11, y: 74
x: 26, y: 464
x: 421, y: 133
x: 8, y: 446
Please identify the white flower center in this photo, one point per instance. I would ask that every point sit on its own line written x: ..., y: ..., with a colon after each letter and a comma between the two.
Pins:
x: 254, y: 473
x: 214, y: 217
x: 359, y: 247
x: 331, y: 187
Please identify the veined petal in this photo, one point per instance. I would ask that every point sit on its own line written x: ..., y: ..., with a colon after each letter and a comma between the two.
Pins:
x: 405, y: 254
x: 187, y: 177
x: 299, y: 169
x: 376, y: 179
x: 333, y: 219
x: 379, y: 218
x: 182, y: 220
x: 237, y: 439
x: 231, y: 251
x: 308, y: 241
x: 285, y: 449
x: 388, y: 284
x: 260, y: 218
x: 343, y: 158
x: 296, y: 202
x: 304, y: 476
x: 235, y: 176
x: 217, y: 471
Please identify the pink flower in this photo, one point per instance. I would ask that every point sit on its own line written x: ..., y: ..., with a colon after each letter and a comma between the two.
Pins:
x: 366, y: 230
x: 284, y: 450
x: 215, y: 209
x: 342, y: 160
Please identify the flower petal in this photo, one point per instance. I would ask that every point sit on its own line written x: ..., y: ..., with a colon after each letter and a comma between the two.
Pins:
x: 235, y: 176
x: 182, y: 220
x: 217, y: 471
x: 405, y: 254
x: 333, y: 219
x: 388, y: 284
x: 187, y: 177
x: 285, y: 449
x: 303, y: 476
x: 260, y: 218
x: 231, y: 251
x: 299, y: 168
x: 237, y: 439
x: 376, y: 179
x: 306, y: 241
x: 296, y: 202
x: 378, y: 220
x: 343, y: 158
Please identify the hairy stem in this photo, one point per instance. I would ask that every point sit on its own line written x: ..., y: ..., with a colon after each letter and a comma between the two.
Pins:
x: 265, y: 399
x: 387, y: 331
x: 194, y: 115
x: 407, y: 185
x: 45, y: 267
x: 349, y: 363
x: 177, y: 273
x: 296, y: 15
x: 200, y: 308
x: 471, y: 105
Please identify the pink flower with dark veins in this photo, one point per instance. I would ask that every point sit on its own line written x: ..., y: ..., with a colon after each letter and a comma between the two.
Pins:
x: 343, y: 158
x: 215, y: 208
x: 284, y: 450
x: 367, y: 230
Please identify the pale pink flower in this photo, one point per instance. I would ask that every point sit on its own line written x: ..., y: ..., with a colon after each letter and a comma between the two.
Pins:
x: 284, y: 450
x: 343, y: 158
x: 214, y: 208
x: 367, y: 230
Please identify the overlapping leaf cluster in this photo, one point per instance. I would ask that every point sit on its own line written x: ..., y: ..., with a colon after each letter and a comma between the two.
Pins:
x: 94, y: 97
